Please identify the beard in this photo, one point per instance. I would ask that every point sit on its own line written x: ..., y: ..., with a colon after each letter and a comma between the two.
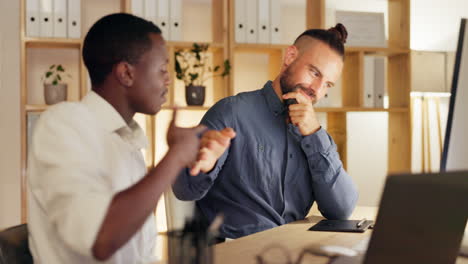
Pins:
x: 288, y: 85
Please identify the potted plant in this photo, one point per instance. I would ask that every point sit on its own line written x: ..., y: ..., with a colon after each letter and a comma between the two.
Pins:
x: 191, y: 67
x: 55, y: 90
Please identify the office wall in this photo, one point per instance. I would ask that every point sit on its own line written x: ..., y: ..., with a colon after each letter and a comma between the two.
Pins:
x: 435, y: 24
x: 10, y: 205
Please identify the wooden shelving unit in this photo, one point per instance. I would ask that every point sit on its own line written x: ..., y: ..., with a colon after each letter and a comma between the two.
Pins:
x: 223, y: 46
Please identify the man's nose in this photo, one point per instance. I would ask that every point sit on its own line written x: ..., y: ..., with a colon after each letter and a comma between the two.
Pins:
x: 167, y: 79
x: 318, y: 85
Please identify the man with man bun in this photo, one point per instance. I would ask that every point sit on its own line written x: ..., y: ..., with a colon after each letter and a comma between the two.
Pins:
x: 279, y: 160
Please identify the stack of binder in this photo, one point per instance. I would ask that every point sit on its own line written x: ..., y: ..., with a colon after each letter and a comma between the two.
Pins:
x: 166, y: 14
x: 257, y: 21
x: 53, y: 18
x: 375, y: 69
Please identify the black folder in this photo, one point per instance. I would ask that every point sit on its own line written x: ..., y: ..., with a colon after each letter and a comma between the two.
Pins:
x: 342, y: 225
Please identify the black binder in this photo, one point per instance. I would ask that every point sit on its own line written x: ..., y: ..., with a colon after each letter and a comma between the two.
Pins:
x: 343, y: 225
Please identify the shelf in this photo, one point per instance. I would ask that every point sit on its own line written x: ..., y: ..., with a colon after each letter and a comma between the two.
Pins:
x: 197, y: 108
x: 379, y: 51
x: 267, y: 48
x: 360, y: 109
x: 52, y: 43
x: 36, y: 108
x: 319, y: 109
x: 188, y: 44
x: 254, y: 47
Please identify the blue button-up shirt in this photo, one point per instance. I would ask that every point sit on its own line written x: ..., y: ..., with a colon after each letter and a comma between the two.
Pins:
x: 271, y: 174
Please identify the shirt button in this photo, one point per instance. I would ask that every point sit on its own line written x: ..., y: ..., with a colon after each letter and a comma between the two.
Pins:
x: 290, y: 156
x: 307, y: 145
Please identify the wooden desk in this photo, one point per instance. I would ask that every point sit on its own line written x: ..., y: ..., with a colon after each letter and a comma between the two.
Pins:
x: 294, y: 237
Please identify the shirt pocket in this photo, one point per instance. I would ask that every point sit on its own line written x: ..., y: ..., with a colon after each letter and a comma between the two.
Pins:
x: 257, y: 166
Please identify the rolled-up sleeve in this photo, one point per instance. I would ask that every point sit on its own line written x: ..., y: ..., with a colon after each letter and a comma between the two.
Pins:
x: 335, y: 192
x: 67, y: 181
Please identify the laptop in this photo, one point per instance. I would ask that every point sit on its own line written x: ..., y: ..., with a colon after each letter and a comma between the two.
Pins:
x: 421, y: 219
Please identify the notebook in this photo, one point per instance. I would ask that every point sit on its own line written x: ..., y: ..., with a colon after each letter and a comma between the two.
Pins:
x: 421, y: 219
x: 342, y: 225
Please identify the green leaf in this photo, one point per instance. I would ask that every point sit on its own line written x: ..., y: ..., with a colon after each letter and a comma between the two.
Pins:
x: 58, y: 77
x: 51, y: 66
x: 48, y: 74
x: 227, y: 68
x: 193, y: 76
x: 60, y: 68
x: 55, y: 82
x: 178, y: 69
x: 216, y: 68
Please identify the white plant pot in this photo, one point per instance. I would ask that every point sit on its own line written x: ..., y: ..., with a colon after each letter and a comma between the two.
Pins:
x: 55, y: 93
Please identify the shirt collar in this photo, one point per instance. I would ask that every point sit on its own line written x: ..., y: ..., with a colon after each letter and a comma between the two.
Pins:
x: 112, y: 121
x: 274, y: 103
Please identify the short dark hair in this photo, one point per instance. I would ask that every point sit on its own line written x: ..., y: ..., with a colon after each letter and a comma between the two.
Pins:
x: 335, y: 37
x: 115, y: 38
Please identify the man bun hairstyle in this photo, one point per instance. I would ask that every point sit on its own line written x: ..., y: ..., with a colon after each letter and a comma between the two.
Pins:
x: 335, y: 37
x: 340, y: 31
x: 115, y: 38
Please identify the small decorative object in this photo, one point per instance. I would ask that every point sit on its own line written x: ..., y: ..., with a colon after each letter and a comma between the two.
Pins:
x: 365, y: 29
x: 191, y: 67
x: 54, y: 89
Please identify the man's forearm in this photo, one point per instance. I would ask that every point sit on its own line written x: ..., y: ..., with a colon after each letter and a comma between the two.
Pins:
x: 334, y: 190
x: 130, y: 208
x: 337, y: 199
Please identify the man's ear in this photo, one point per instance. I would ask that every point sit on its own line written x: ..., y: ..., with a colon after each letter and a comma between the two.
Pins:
x: 124, y: 72
x: 290, y: 55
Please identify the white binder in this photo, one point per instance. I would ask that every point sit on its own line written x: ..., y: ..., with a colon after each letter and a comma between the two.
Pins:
x: 263, y: 26
x: 175, y: 20
x: 60, y: 18
x: 379, y: 81
x: 32, y: 18
x: 46, y: 27
x: 74, y: 18
x: 162, y: 17
x: 275, y: 22
x: 368, y: 93
x: 149, y: 10
x: 252, y: 34
x: 240, y: 20
x: 137, y: 7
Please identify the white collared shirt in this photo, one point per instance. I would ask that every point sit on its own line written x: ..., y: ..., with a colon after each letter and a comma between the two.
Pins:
x: 82, y: 154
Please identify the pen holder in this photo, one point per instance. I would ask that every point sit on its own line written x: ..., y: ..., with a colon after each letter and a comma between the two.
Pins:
x: 189, y: 247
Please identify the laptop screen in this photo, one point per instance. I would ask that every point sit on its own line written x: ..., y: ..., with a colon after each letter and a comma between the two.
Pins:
x: 421, y: 219
x: 455, y: 152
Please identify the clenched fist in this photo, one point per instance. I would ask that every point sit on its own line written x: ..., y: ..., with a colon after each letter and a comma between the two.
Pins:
x: 302, y: 114
x: 184, y: 141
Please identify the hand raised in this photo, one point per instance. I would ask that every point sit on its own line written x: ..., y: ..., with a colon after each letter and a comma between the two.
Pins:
x: 302, y: 114
x: 185, y: 141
